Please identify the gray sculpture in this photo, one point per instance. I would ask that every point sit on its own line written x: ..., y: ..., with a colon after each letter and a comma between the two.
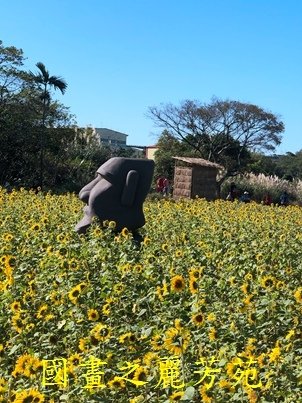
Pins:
x: 117, y: 193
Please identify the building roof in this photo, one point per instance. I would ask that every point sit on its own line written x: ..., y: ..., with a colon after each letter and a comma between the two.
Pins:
x: 199, y: 161
x: 110, y: 133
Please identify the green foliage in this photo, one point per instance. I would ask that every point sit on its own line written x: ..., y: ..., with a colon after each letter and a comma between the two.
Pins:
x: 261, y: 163
x: 290, y: 165
x: 169, y: 147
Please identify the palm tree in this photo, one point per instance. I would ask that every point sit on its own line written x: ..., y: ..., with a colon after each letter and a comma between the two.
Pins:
x: 44, y: 83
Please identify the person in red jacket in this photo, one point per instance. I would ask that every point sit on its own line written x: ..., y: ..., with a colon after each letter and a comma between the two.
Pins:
x: 160, y: 184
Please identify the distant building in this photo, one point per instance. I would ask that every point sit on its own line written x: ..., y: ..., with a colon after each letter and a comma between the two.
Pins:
x: 150, y: 151
x: 111, y: 138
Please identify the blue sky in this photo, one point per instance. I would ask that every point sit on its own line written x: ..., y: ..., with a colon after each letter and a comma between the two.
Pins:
x: 120, y: 57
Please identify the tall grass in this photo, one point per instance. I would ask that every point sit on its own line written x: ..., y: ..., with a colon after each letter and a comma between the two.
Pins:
x: 259, y: 185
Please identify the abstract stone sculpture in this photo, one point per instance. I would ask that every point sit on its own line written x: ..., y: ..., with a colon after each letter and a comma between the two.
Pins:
x: 117, y: 193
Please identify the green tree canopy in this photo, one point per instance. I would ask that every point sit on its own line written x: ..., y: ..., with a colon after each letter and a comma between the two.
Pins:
x: 169, y: 147
x: 21, y: 117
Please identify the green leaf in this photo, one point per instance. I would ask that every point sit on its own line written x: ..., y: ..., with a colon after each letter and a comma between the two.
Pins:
x: 142, y: 312
x: 14, y: 349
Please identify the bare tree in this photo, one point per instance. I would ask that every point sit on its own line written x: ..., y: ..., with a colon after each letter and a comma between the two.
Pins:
x: 222, y: 131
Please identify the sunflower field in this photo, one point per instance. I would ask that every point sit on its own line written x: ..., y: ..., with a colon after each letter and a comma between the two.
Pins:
x: 205, y: 306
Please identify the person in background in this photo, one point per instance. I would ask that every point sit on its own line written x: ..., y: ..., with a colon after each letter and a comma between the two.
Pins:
x: 284, y: 198
x: 166, y: 187
x: 160, y: 184
x: 267, y: 199
x: 245, y: 198
x: 233, y: 192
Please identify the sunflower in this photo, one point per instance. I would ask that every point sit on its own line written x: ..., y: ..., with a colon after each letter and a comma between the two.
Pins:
x: 29, y: 396
x: 62, y: 251
x: 198, y: 319
x: 93, y: 314
x: 140, y: 375
x: 176, y: 340
x: 193, y: 285
x: 101, y: 332
x: 177, y: 283
x: 245, y: 288
x: 298, y: 295
x: 157, y: 342
x: 267, y: 282
x: 280, y: 285
x: 203, y: 393
x: 3, y: 386
x: 248, y: 299
x: 8, y: 237
x: 15, y: 306
x: 275, y: 354
x: 150, y: 359
x: 178, y: 323
x: 106, y: 309
x: 42, y: 311
x: 82, y: 286
x: 232, y: 281
x: 212, y: 334
x: 3, y: 259
x: 56, y: 298
x: 194, y: 273
x: 27, y: 365
x: 35, y: 227
x: 10, y: 261
x: 178, y: 253
x: 248, y: 276
x: 73, y: 362
x: 61, y: 238
x: 116, y: 383
x: 84, y: 345
x: 151, y: 259
x: 146, y: 241
x: 112, y: 224
x: 128, y: 338
x: 18, y: 323
x: 138, y: 268
x: 97, y: 232
x: 165, y: 247
x: 224, y: 384
x: 176, y: 396
x: 211, y: 317
x: 232, y: 366
x: 118, y: 288
x: 125, y: 232
x: 73, y: 294
x: 44, y: 220
x: 137, y: 399
x: 49, y: 250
